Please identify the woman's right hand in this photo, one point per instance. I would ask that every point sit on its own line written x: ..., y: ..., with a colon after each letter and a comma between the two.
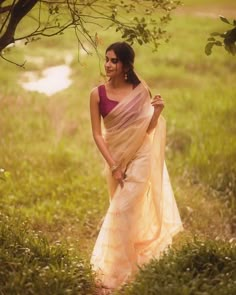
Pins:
x: 119, y: 175
x: 158, y: 103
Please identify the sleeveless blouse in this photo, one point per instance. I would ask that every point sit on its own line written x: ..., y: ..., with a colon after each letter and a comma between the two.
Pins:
x: 105, y: 104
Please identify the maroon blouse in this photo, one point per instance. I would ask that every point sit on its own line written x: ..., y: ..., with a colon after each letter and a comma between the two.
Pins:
x: 105, y: 104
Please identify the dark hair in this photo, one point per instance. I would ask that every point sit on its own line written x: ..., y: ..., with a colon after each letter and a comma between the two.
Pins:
x: 126, y: 55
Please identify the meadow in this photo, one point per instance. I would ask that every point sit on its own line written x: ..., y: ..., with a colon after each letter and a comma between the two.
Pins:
x: 53, y: 195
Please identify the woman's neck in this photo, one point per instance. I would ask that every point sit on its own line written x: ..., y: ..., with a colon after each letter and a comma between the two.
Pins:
x: 117, y: 82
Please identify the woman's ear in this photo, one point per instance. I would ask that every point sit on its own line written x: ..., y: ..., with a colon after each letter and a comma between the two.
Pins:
x: 126, y: 69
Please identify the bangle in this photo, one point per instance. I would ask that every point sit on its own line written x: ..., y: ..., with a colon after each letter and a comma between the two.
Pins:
x: 114, y: 167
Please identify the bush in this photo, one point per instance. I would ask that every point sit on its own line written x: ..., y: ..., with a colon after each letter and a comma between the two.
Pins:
x: 29, y: 265
x: 199, y: 267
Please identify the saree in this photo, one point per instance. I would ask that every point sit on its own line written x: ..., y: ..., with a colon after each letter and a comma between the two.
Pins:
x: 142, y: 217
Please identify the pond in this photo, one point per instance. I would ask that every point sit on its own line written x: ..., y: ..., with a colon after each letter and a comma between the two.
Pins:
x: 52, y: 80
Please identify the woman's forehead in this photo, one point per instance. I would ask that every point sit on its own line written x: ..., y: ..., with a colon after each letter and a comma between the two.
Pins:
x: 111, y: 54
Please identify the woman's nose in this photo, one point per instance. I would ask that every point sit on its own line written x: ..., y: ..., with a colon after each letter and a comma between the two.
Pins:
x: 108, y: 63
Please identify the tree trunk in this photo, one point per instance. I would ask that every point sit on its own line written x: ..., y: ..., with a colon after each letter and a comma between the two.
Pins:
x: 18, y: 11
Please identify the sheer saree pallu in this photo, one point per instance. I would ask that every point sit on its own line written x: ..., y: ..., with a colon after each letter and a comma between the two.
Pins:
x: 142, y: 217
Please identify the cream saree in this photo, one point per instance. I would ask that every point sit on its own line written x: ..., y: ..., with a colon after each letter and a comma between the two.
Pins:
x: 142, y: 216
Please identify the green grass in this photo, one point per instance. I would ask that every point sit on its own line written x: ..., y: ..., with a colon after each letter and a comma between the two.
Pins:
x: 29, y: 265
x: 199, y: 267
x: 54, y: 179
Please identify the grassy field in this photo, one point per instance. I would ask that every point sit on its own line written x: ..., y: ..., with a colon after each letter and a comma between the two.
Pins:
x: 53, y: 188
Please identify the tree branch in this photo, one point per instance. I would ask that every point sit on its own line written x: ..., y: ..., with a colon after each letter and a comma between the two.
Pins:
x: 7, y: 17
x: 5, y: 9
x: 18, y: 11
x: 12, y: 62
x: 133, y: 19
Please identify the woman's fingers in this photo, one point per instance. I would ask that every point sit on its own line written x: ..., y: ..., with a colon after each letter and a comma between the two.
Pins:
x: 157, y: 101
x: 158, y: 105
x: 158, y: 96
x: 119, y: 176
x: 122, y: 179
x: 121, y: 183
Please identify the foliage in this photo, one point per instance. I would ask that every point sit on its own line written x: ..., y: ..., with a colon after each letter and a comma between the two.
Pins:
x: 30, y: 265
x: 135, y: 19
x: 226, y: 39
x: 199, y: 267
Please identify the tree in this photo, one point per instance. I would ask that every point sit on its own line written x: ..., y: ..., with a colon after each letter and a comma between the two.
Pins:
x: 136, y: 20
x: 226, y: 39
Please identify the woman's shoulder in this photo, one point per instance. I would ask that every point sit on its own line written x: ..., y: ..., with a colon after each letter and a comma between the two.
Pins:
x: 96, y: 88
x: 95, y: 92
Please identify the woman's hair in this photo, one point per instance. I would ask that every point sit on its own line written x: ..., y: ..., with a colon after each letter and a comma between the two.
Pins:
x: 126, y: 55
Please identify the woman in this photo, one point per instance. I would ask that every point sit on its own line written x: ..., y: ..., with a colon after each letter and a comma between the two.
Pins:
x: 142, y: 217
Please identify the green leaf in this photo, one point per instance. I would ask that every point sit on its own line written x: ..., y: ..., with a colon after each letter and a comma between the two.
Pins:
x: 231, y: 48
x: 208, y: 48
x: 218, y: 43
x: 140, y: 41
x: 224, y: 19
x: 211, y: 39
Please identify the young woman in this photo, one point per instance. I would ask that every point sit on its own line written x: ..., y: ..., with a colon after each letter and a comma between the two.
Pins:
x: 142, y: 217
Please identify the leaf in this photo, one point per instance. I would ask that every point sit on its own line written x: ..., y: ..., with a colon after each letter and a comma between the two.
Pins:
x: 224, y: 19
x: 218, y: 43
x: 140, y: 41
x: 208, y: 48
x: 231, y: 48
x: 211, y: 39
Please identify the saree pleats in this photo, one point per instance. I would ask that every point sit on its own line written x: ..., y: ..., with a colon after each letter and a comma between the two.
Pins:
x: 142, y: 216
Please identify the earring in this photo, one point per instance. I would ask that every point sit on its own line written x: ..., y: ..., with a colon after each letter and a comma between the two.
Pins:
x: 126, y: 77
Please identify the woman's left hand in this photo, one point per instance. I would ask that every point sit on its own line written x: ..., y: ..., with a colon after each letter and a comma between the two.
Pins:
x: 158, y: 103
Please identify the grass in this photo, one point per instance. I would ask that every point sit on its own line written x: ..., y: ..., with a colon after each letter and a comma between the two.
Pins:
x: 199, y: 267
x: 29, y: 265
x: 54, y: 179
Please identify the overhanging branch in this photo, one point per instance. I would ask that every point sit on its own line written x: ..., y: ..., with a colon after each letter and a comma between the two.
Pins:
x: 5, y: 9
x: 133, y: 19
x: 17, y: 12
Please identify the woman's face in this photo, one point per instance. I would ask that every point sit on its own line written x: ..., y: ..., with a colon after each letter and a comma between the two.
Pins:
x: 113, y: 66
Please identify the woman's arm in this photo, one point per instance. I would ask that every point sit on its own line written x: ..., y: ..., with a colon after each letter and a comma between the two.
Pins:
x: 118, y: 174
x: 158, y: 105
x: 96, y: 127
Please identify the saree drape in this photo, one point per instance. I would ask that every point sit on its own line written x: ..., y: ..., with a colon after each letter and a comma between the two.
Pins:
x: 142, y: 216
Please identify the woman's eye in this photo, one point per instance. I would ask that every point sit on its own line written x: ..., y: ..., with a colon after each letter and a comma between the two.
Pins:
x: 114, y: 60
